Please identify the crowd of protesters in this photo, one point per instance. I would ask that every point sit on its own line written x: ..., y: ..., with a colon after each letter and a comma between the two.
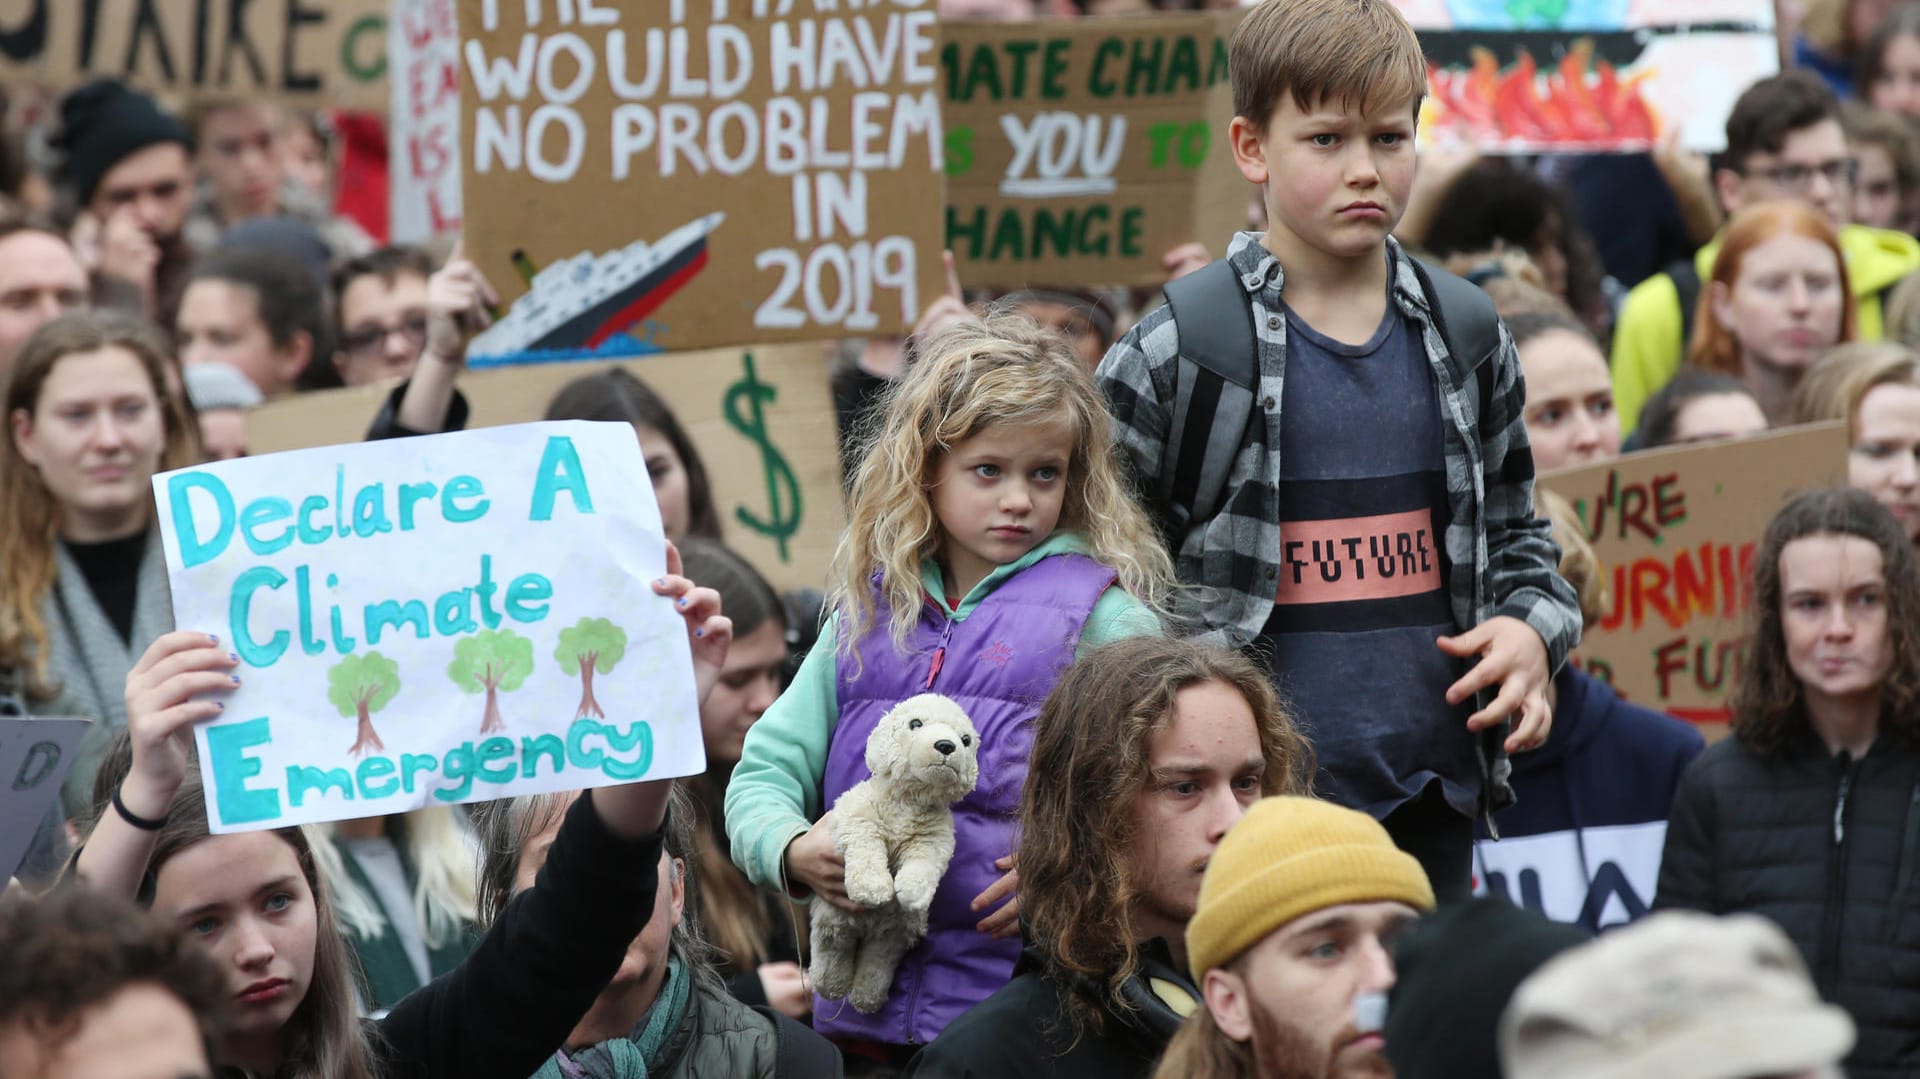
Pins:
x: 1234, y: 805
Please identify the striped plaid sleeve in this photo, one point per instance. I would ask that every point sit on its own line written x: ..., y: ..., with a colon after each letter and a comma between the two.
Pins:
x: 1523, y: 560
x: 1137, y: 377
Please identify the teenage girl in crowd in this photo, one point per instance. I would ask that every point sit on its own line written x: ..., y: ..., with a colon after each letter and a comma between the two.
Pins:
x: 753, y: 932
x: 83, y: 580
x: 257, y: 903
x: 403, y: 887
x: 673, y: 464
x: 1875, y: 387
x: 1776, y: 302
x: 991, y: 536
x: 1699, y: 406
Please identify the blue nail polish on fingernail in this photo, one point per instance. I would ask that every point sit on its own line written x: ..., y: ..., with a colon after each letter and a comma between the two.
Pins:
x: 699, y: 633
x: 221, y: 705
x: 234, y: 656
x: 682, y: 601
x: 236, y: 679
x: 213, y: 639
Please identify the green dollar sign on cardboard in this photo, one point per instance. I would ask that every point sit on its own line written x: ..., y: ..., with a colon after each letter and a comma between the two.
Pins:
x: 743, y: 408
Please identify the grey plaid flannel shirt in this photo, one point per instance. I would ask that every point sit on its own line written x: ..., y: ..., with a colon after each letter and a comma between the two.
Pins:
x: 1503, y: 559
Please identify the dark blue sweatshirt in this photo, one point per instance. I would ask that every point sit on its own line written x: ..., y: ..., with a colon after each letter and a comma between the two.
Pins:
x: 1583, y: 842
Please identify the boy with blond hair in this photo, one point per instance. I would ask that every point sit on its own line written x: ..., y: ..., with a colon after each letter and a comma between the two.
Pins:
x: 1372, y: 528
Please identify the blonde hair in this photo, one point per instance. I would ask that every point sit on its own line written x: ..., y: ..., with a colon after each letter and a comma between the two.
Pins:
x: 1350, y: 52
x: 1825, y: 27
x: 442, y: 854
x: 1834, y: 387
x: 29, y: 508
x: 1000, y: 371
x: 1579, y: 565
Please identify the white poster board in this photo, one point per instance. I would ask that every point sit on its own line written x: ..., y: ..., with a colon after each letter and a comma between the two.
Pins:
x: 432, y: 620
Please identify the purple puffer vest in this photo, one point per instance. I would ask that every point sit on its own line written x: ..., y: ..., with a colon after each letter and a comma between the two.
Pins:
x: 999, y: 663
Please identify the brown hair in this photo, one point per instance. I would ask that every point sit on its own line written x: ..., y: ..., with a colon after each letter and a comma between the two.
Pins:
x: 1200, y: 1050
x: 1714, y: 346
x: 325, y: 1040
x: 1868, y: 126
x: 1768, y: 702
x: 1871, y: 60
x: 31, y: 513
x: 1579, y: 565
x: 1353, y: 52
x: 76, y: 949
x: 1089, y: 762
x: 1834, y: 387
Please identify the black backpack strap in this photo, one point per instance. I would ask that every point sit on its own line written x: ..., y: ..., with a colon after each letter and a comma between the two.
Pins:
x: 1218, y: 375
x: 1686, y: 282
x: 800, y: 1052
x: 1465, y: 316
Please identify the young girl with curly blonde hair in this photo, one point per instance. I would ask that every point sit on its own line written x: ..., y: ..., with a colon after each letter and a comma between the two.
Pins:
x: 990, y: 539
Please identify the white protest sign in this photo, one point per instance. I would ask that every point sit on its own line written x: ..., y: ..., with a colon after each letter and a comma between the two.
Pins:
x: 444, y: 619
x: 34, y: 757
x: 423, y: 57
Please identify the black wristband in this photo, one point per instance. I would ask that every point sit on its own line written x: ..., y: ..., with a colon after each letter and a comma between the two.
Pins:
x: 143, y: 823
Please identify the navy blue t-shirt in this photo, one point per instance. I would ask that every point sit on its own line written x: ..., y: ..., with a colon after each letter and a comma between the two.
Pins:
x: 1362, y: 594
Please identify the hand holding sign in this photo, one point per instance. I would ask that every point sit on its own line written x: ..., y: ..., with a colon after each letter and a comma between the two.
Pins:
x: 709, y: 631
x: 181, y: 679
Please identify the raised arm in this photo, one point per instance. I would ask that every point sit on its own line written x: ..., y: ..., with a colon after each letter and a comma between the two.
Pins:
x: 180, y: 680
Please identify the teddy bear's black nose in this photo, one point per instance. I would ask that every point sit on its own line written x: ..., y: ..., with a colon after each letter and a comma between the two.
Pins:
x: 945, y: 746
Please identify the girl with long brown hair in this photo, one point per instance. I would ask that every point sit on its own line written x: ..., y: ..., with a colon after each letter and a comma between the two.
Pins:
x: 83, y: 580
x: 1810, y: 813
x: 259, y: 905
x: 1777, y: 301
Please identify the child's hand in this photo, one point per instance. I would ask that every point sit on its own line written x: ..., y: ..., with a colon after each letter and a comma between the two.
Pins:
x: 814, y: 861
x: 710, y: 632
x: 785, y: 987
x: 1005, y: 922
x: 161, y: 711
x: 1513, y: 657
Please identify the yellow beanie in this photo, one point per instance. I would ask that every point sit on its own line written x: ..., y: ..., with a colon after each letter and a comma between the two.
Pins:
x: 1288, y: 857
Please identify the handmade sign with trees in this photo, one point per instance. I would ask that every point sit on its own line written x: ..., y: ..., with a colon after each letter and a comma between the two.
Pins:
x: 413, y: 584
x: 1079, y: 152
x: 681, y: 174
x: 360, y: 685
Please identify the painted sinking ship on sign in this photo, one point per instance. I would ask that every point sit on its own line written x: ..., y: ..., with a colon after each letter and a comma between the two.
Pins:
x: 579, y: 304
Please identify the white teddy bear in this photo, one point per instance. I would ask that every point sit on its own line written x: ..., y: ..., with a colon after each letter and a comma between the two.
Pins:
x: 895, y: 831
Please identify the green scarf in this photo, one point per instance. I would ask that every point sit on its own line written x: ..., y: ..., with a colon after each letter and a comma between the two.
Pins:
x: 633, y: 1056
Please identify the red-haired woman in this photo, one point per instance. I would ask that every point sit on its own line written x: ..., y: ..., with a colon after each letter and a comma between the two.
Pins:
x: 1776, y: 302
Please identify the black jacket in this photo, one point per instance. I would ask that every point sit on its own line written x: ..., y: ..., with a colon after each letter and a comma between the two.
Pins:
x: 1023, y: 1031
x: 1826, y: 847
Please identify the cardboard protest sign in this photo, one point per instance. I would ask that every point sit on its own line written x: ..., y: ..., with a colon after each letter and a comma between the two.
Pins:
x: 450, y: 618
x: 763, y: 422
x: 423, y: 54
x: 1079, y: 152
x: 684, y: 174
x: 1675, y: 531
x: 301, y: 51
x: 34, y: 757
x: 1588, y: 75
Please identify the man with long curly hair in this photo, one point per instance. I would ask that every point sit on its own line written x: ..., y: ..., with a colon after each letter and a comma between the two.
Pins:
x: 1146, y: 752
x: 92, y: 987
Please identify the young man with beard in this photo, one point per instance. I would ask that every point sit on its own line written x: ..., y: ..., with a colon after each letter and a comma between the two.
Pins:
x: 1144, y: 755
x: 1292, y: 943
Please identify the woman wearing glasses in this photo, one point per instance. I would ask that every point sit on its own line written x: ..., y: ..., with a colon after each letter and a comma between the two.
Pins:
x: 1776, y: 301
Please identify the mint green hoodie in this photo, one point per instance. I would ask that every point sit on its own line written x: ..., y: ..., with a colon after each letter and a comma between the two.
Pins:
x: 775, y: 796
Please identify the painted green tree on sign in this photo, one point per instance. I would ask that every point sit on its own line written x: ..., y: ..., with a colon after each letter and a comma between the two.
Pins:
x: 360, y: 685
x: 491, y: 660
x: 589, y: 645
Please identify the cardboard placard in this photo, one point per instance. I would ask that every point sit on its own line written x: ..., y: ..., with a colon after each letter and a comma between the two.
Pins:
x: 685, y: 174
x: 35, y: 754
x: 1588, y: 75
x: 423, y: 124
x: 445, y: 619
x: 763, y: 422
x: 1080, y: 152
x: 304, y: 52
x: 1675, y: 531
